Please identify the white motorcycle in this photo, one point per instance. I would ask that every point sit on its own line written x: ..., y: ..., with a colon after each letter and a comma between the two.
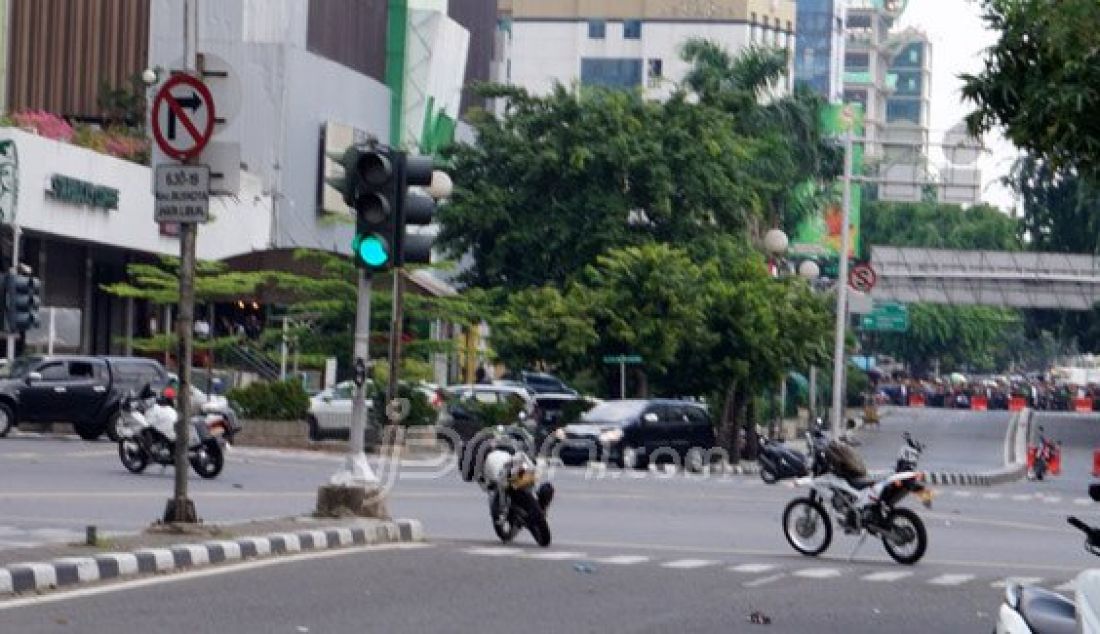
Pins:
x: 1033, y: 610
x: 510, y: 478
x: 862, y: 506
x: 148, y: 434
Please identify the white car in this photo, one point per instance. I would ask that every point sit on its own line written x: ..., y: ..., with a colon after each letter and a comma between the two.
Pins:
x: 330, y: 410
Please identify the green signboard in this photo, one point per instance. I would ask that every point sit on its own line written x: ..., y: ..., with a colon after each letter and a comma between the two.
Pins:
x: 78, y: 192
x: 623, y: 358
x: 886, y: 317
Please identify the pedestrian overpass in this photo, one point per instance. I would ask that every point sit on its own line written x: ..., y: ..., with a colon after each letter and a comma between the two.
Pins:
x: 990, y: 278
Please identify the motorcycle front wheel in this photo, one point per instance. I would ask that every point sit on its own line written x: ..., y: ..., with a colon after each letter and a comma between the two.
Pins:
x: 767, y: 474
x: 534, y: 517
x: 807, y: 527
x: 507, y: 529
x: 132, y: 455
x: 905, y: 539
x: 208, y: 460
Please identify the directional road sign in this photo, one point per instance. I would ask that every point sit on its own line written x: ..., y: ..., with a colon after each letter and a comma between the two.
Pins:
x: 886, y: 317
x: 623, y: 358
x: 182, y: 193
x: 183, y: 117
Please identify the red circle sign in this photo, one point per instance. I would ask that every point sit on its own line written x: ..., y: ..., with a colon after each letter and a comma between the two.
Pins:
x: 862, y: 278
x: 183, y: 117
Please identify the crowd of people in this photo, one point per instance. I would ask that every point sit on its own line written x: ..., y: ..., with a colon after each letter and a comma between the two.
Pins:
x: 1038, y: 392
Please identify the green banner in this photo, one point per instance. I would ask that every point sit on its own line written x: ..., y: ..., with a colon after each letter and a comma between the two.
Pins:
x: 820, y: 233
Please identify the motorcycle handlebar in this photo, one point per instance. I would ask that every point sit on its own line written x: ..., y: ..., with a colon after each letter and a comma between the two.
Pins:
x: 1079, y: 525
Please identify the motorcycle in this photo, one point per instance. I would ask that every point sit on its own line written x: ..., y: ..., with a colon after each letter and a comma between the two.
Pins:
x: 908, y: 456
x: 148, y: 434
x: 509, y: 476
x: 779, y: 462
x: 1046, y: 453
x: 862, y: 506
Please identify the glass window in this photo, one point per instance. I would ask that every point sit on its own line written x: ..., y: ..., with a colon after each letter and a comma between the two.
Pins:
x: 597, y: 29
x: 56, y: 371
x: 611, y: 72
x: 343, y: 391
x: 903, y: 110
x: 656, y: 71
x: 86, y: 370
x: 632, y: 29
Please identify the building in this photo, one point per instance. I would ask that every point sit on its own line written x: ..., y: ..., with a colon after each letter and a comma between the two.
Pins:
x: 295, y: 69
x: 627, y: 43
x: 819, y: 47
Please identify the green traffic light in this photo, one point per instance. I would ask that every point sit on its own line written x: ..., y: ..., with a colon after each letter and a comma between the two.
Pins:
x: 372, y: 250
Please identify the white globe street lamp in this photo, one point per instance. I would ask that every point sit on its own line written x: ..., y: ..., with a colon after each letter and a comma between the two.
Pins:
x: 441, y: 186
x: 775, y: 241
x: 809, y: 270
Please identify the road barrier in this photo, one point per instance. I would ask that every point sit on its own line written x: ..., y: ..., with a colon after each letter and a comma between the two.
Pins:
x: 979, y: 403
x: 1017, y: 403
x: 1082, y: 405
x: 916, y: 400
x: 1096, y: 463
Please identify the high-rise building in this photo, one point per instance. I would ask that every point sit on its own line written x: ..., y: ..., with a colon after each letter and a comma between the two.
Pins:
x: 819, y: 47
x: 627, y: 43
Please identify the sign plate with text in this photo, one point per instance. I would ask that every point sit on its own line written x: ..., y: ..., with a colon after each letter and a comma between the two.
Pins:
x: 182, y: 193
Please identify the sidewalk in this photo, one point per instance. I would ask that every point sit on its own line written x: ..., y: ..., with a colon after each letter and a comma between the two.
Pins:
x: 169, y: 548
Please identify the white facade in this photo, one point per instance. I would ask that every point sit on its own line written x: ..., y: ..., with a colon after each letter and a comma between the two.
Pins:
x: 237, y: 226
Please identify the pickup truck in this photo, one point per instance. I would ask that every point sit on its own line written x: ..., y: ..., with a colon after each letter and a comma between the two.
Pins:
x: 85, y: 391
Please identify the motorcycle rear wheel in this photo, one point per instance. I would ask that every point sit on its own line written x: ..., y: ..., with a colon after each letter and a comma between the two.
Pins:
x: 534, y: 518
x: 132, y: 455
x: 209, y: 460
x: 767, y: 474
x: 506, y: 530
x: 802, y: 520
x: 907, y: 524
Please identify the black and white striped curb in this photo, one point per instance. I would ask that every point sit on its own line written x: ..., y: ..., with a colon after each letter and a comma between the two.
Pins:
x: 69, y: 571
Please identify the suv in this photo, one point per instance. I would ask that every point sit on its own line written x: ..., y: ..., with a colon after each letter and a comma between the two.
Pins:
x: 84, y: 391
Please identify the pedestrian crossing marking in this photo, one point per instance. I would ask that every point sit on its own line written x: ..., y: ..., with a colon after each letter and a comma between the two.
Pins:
x: 556, y: 555
x: 950, y: 580
x: 992, y: 496
x: 963, y: 494
x: 689, y: 564
x: 818, y: 573
x: 763, y: 581
x: 623, y: 560
x: 1082, y: 501
x: 1053, y: 499
x: 887, y: 575
x: 752, y: 568
x: 1024, y: 581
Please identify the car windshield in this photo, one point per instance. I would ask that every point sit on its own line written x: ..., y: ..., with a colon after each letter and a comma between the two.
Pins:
x: 612, y: 411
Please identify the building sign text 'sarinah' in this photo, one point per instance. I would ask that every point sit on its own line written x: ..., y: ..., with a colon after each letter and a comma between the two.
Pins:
x: 78, y: 192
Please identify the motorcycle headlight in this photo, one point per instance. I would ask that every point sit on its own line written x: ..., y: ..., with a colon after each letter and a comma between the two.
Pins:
x: 611, y: 436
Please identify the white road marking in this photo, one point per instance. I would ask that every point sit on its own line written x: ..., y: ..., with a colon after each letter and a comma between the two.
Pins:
x: 1082, y: 501
x: 1052, y: 499
x: 1026, y: 581
x: 494, y: 551
x: 762, y: 581
x: 556, y: 555
x: 689, y: 564
x: 950, y: 580
x: 752, y: 568
x: 992, y: 496
x: 818, y: 573
x: 623, y: 560
x: 887, y: 575
x: 1022, y: 497
x: 962, y: 494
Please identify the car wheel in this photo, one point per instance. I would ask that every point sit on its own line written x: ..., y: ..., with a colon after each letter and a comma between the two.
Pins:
x: 87, y: 431
x: 314, y: 429
x: 7, y: 420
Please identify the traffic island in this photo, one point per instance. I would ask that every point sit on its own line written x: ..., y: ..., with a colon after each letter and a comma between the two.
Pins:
x: 336, y: 500
x: 165, y: 551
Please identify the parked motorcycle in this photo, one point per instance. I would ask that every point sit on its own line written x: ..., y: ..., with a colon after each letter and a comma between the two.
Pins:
x: 780, y: 462
x: 509, y: 476
x: 861, y: 505
x: 1034, y: 610
x: 148, y: 434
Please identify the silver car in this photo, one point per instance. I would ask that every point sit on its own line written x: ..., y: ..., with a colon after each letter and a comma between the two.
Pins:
x: 330, y: 410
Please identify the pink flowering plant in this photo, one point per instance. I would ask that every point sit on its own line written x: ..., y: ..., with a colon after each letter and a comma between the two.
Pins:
x: 44, y: 124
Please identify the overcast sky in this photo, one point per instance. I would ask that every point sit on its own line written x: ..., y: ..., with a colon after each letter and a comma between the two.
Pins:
x: 958, y: 37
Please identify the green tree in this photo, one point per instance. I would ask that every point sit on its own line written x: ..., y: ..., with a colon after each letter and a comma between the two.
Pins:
x: 1039, y: 80
x: 540, y: 327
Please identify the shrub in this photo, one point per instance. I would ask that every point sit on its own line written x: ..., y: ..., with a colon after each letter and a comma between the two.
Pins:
x: 280, y: 400
x: 44, y: 124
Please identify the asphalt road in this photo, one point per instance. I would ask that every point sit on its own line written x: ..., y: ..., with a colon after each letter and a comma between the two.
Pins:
x: 662, y: 548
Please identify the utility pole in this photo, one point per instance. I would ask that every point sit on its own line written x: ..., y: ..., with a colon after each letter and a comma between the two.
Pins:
x: 842, y: 291
x: 180, y: 508
x: 16, y: 238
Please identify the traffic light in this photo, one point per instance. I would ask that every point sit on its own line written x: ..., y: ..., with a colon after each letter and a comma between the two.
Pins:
x: 21, y: 295
x: 417, y: 208
x: 370, y: 187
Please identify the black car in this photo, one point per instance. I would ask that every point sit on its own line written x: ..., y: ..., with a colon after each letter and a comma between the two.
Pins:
x: 540, y: 382
x: 631, y: 433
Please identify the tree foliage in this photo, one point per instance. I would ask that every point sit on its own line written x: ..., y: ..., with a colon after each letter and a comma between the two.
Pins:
x: 1040, y: 80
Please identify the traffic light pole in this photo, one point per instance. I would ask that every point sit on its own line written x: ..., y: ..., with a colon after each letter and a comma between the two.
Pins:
x: 397, y: 316
x: 356, y: 470
x: 16, y: 238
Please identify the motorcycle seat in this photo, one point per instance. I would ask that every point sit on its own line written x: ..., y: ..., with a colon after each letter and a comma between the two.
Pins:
x: 1046, y: 611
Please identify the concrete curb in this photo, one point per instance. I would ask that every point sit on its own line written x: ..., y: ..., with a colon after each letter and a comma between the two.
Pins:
x: 1015, y: 459
x: 70, y: 571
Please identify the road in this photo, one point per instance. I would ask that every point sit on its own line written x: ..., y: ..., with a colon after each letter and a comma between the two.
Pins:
x: 709, y: 548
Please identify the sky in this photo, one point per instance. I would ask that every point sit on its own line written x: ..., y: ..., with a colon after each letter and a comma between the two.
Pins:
x: 958, y: 38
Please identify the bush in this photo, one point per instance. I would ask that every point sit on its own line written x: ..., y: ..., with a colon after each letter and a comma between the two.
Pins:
x: 281, y: 400
x: 420, y: 411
